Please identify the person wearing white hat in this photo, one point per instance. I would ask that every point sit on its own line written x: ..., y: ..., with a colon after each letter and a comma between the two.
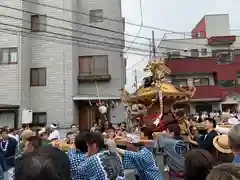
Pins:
x: 55, y: 134
x: 139, y: 157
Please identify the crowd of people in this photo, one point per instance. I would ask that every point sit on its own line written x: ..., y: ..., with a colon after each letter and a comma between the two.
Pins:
x: 95, y: 154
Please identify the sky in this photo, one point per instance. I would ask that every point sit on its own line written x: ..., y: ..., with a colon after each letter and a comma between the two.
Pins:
x: 175, y: 15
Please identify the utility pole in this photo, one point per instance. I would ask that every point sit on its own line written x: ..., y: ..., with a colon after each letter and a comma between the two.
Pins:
x: 135, y: 83
x: 150, y: 48
x: 153, y: 44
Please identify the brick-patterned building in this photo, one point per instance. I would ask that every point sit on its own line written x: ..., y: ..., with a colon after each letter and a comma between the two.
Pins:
x: 52, y: 63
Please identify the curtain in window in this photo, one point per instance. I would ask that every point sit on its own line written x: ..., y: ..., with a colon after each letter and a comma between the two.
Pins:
x: 100, y: 64
x: 85, y: 65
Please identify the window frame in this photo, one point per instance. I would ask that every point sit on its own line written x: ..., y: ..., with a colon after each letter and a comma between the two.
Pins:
x: 175, y: 56
x: 41, y: 25
x: 204, y: 51
x: 238, y: 78
x: 38, y: 71
x: 200, y: 84
x: 236, y: 52
x: 9, y: 55
x: 180, y: 79
x: 194, y: 51
x: 92, y: 65
x: 93, y: 18
x: 36, y: 122
x: 233, y: 84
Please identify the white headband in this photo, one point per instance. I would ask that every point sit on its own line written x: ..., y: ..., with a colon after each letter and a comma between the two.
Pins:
x: 53, y: 126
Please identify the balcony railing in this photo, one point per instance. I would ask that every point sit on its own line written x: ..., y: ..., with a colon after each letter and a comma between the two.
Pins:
x: 203, y: 65
x: 212, y: 93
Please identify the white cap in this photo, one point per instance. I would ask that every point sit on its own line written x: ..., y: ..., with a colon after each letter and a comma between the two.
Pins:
x: 133, y: 138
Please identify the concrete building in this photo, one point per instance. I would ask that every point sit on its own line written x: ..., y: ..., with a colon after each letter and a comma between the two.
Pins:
x: 207, y: 58
x: 59, y: 59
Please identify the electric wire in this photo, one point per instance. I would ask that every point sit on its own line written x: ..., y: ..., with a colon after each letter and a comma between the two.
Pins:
x: 87, y: 14
x: 96, y: 42
x: 84, y: 32
x: 140, y: 28
x: 84, y: 40
x: 112, y: 45
x: 58, y: 39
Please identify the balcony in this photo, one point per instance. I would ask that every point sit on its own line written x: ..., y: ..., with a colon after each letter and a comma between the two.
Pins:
x: 221, y: 40
x: 204, y: 65
x: 212, y: 93
x: 93, y: 77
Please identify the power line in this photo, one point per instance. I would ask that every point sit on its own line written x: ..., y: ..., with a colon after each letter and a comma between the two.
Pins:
x: 60, y: 40
x: 51, y: 17
x: 76, y: 23
x: 87, y: 14
x: 85, y: 40
x: 136, y: 64
x: 59, y: 19
x: 111, y: 45
x: 139, y: 30
x: 95, y: 42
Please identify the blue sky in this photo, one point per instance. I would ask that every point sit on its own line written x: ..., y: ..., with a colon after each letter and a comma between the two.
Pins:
x: 176, y: 15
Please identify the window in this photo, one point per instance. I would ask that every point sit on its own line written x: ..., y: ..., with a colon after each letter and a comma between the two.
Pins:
x: 227, y: 83
x: 180, y: 82
x: 96, y: 16
x: 223, y: 56
x: 39, y: 119
x: 200, y: 81
x: 194, y: 53
x: 93, y: 65
x: 236, y: 52
x: 38, y: 77
x: 198, y: 35
x: 203, y: 51
x: 238, y: 78
x: 175, y: 55
x: 38, y: 23
x: 9, y: 56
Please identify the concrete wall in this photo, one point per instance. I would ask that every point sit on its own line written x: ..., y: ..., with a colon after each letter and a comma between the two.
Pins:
x: 56, y: 55
x: 217, y: 25
x: 112, y: 10
x: 59, y: 56
x: 10, y: 74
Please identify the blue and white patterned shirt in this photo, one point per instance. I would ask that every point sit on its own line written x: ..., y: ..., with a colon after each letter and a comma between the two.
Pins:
x: 144, y: 162
x: 104, y: 165
x: 76, y: 159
